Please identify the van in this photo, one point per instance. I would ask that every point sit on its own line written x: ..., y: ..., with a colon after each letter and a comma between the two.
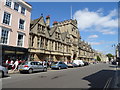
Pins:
x: 78, y: 62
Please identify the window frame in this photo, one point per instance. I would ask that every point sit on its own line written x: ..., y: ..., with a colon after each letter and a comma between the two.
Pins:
x: 9, y: 1
x: 6, y: 29
x: 19, y: 33
x: 9, y: 18
x: 15, y: 8
x: 23, y: 24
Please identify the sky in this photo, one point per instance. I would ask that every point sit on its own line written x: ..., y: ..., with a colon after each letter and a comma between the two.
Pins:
x: 97, y: 21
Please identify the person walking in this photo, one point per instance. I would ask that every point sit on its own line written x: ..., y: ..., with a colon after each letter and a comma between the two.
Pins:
x: 16, y: 64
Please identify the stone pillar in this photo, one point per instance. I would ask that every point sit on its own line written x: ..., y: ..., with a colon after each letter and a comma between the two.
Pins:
x: 36, y: 58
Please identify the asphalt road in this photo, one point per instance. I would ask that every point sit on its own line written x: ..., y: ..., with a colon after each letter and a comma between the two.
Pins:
x: 93, y: 76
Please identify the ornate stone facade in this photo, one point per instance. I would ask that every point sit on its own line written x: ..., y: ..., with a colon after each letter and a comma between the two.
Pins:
x: 61, y: 42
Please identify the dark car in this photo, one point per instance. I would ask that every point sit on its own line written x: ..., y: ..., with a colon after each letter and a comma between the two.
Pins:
x: 114, y: 63
x: 58, y: 65
x: 85, y: 63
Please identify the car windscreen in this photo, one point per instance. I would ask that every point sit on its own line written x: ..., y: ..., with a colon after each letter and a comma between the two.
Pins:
x: 25, y: 63
x: 54, y: 62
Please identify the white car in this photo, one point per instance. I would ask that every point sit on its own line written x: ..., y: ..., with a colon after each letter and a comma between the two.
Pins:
x: 78, y: 62
x: 3, y: 71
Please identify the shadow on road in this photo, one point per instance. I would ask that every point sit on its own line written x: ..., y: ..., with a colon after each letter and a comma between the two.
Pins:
x: 100, y: 79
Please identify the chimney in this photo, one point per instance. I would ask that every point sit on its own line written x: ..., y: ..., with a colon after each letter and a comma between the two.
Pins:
x: 55, y: 23
x: 48, y: 20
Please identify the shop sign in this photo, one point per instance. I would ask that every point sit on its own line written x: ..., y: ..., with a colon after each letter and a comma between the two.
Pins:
x: 9, y: 51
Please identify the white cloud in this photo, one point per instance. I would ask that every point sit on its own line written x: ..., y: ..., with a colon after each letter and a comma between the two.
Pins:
x: 93, y: 36
x: 107, y: 32
x: 88, y: 19
x: 95, y: 43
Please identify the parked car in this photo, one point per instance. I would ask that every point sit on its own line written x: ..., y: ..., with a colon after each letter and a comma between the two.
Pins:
x: 72, y: 65
x: 114, y: 63
x: 31, y: 66
x: 78, y: 62
x: 85, y: 63
x: 58, y: 65
x: 3, y: 71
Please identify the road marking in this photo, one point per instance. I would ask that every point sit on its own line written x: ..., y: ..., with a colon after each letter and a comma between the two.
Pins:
x: 107, y: 84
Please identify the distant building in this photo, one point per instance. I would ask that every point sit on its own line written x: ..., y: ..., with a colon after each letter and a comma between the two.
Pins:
x: 14, y: 28
x: 61, y: 42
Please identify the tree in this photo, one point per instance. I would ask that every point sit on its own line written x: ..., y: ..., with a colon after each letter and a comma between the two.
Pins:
x: 110, y: 56
x: 98, y: 58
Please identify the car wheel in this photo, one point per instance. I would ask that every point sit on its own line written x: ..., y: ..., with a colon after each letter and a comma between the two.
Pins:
x: 30, y: 71
x: 45, y: 70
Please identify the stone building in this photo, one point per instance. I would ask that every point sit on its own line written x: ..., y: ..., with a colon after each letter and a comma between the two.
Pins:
x: 60, y: 42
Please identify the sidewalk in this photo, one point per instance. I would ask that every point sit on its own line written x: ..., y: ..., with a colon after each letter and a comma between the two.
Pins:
x: 13, y: 72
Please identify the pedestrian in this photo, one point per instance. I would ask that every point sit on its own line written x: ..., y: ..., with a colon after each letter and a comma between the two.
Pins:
x: 16, y: 64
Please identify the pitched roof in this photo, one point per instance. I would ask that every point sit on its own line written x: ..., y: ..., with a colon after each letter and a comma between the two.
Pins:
x: 34, y: 22
x: 52, y: 30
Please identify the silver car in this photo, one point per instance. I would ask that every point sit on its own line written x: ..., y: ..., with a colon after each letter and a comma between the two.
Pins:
x: 3, y: 71
x: 31, y: 66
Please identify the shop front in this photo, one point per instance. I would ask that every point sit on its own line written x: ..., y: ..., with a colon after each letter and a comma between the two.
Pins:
x: 13, y: 53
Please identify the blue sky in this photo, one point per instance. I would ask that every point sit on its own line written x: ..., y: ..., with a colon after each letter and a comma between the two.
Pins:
x: 97, y: 21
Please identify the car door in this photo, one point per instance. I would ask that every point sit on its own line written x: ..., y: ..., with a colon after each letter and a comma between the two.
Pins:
x: 61, y: 64
x: 34, y: 66
x: 40, y: 66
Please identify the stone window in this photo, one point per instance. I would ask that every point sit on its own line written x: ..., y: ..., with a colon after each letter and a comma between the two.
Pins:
x: 55, y: 45
x: 42, y: 42
x: 46, y: 44
x: 38, y: 42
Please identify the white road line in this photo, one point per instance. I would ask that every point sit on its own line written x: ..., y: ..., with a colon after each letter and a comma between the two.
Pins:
x: 107, y: 84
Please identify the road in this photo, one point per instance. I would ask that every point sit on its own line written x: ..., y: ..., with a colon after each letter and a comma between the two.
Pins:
x: 93, y: 76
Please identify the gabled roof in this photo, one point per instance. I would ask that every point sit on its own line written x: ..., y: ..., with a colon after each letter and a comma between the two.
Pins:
x: 34, y: 22
x: 52, y: 30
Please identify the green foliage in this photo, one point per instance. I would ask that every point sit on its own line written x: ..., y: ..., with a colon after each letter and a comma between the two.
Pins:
x: 98, y: 58
x: 109, y: 55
